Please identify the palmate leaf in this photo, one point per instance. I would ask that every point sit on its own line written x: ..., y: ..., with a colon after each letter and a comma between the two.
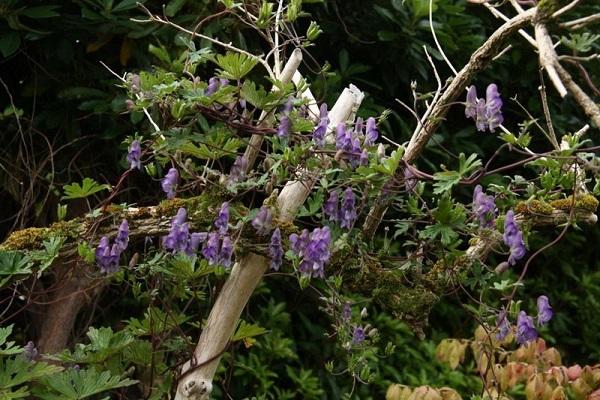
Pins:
x: 75, y: 384
x: 8, y: 348
x: 104, y: 343
x: 87, y: 188
x: 234, y: 65
x: 13, y: 263
x: 245, y: 331
x: 16, y: 371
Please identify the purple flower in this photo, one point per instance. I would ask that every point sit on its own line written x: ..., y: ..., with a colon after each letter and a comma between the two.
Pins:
x: 372, y: 132
x: 285, y: 126
x: 30, y: 352
x: 493, y: 104
x: 222, y: 221
x: 238, y: 169
x: 107, y: 257
x: 513, y: 237
x: 471, y: 103
x: 179, y: 238
x: 358, y: 335
x: 211, y: 248
x: 525, y: 330
x: 276, y: 250
x: 359, y: 126
x: 169, y: 183
x: 330, y: 207
x: 343, y: 141
x: 364, y: 157
x: 194, y: 243
x: 484, y: 207
x: 348, y: 209
x: 226, y: 252
x: 346, y: 312
x: 544, y: 310
x: 213, y: 86
x: 486, y: 113
x: 313, y: 249
x: 134, y: 154
x: 503, y: 326
x: 122, y: 238
x: 263, y: 220
x: 321, y: 129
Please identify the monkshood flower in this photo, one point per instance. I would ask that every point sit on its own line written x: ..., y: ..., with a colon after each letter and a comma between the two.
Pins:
x: 122, y: 238
x: 503, y: 326
x: 30, y: 352
x: 222, y: 221
x: 211, y: 248
x: 276, y: 250
x: 348, y: 209
x: 169, y: 182
x: 321, y: 129
x: 359, y: 126
x: 544, y: 310
x: 364, y: 157
x: 285, y: 123
x: 107, y: 257
x: 226, y: 251
x: 358, y: 335
x: 346, y: 312
x: 513, y: 238
x: 194, y: 243
x: 330, y: 207
x: 214, y: 84
x: 484, y: 207
x: 372, y: 132
x: 134, y: 154
x: 263, y: 220
x: 486, y: 113
x: 525, y: 330
x: 493, y: 104
x: 343, y: 140
x: 238, y: 169
x: 313, y: 249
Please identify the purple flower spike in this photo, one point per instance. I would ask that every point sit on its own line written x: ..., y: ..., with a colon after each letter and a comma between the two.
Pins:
x: 525, y: 330
x: 222, y: 221
x: 263, y: 220
x: 194, y: 243
x: 285, y: 127
x: 226, y: 252
x: 471, y: 103
x: 321, y: 129
x: 342, y: 140
x: 493, y: 105
x: 330, y: 207
x: 276, y: 250
x: 358, y: 335
x: 372, y: 132
x: 169, y: 183
x: 107, y: 257
x: 544, y: 310
x: 211, y: 248
x: 359, y: 126
x: 134, y: 154
x: 513, y: 238
x: 503, y: 326
x: 122, y: 238
x: 238, y: 169
x: 313, y: 248
x: 348, y: 209
x: 484, y: 207
x: 480, y: 119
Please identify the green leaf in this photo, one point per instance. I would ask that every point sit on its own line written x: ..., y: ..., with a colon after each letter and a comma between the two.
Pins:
x: 9, y: 43
x: 87, y: 188
x: 17, y: 370
x: 13, y: 263
x: 234, y: 65
x: 246, y: 330
x: 8, y: 348
x: 41, y: 12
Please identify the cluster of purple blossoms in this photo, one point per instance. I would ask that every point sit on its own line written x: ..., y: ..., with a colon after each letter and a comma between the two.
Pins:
x: 345, y: 213
x: 313, y: 249
x: 484, y: 207
x: 276, y: 250
x: 358, y: 335
x: 513, y: 238
x: 526, y: 330
x: 107, y: 256
x: 238, y: 169
x: 486, y: 113
x: 179, y: 238
x: 285, y: 123
x: 218, y: 249
x: 263, y: 221
x: 321, y: 129
x: 215, y: 84
x: 169, y: 183
x: 134, y: 154
x: 30, y: 352
x: 349, y: 142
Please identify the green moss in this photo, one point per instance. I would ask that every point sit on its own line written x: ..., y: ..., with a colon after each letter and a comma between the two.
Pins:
x: 533, y: 207
x: 586, y: 202
x: 32, y: 238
